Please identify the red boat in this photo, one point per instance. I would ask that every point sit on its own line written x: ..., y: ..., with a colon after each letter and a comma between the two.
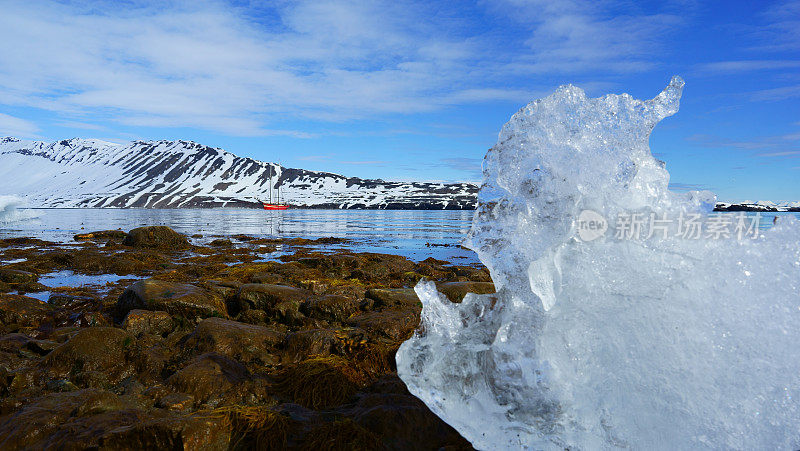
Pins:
x: 274, y: 206
x: 269, y: 205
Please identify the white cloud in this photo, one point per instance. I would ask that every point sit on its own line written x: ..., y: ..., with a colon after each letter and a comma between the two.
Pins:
x: 14, y: 126
x: 776, y: 94
x: 210, y: 65
x: 761, y: 146
x: 781, y: 30
x: 572, y: 36
x: 726, y: 67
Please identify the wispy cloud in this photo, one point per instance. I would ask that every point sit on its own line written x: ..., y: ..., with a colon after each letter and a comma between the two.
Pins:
x: 776, y: 94
x: 682, y: 187
x: 726, y: 67
x: 785, y: 153
x: 315, y: 157
x: 574, y: 35
x: 234, y: 69
x: 781, y: 27
x: 470, y: 166
x: 79, y: 125
x: 787, y: 145
x: 365, y: 163
x: 14, y: 126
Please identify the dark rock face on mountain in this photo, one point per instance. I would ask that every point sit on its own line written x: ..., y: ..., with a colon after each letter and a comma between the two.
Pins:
x: 184, y: 174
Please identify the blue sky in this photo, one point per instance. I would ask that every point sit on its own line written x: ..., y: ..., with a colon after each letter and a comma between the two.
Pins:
x: 407, y: 90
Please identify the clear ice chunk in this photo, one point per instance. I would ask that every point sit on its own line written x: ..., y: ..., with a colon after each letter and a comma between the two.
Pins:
x: 661, y: 343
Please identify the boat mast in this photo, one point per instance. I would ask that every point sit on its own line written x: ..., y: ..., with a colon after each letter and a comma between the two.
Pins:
x: 270, y: 184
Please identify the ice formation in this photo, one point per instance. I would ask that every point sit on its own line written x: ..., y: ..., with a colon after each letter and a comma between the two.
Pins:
x: 9, y: 212
x: 666, y: 342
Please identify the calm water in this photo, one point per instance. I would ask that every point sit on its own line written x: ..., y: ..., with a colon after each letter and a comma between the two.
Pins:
x: 414, y: 234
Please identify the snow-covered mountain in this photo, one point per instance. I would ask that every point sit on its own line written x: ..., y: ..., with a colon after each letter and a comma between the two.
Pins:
x: 184, y: 174
x: 762, y: 205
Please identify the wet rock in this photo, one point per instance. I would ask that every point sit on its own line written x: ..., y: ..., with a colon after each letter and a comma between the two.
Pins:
x: 393, y: 324
x: 473, y: 274
x: 209, y: 377
x: 455, y: 291
x: 331, y: 240
x: 23, y: 241
x: 305, y: 343
x: 224, y: 288
x: 61, y: 385
x: 15, y: 276
x: 253, y: 316
x: 18, y: 312
x: 315, y: 286
x: 265, y: 278
x: 330, y: 307
x: 155, y: 237
x: 240, y: 341
x: 264, y: 296
x: 380, y: 266
x: 70, y: 301
x: 398, y: 297
x: 101, y: 235
x: 350, y: 290
x: 147, y: 322
x: 279, y: 301
x: 319, y: 382
x: 221, y: 242
x: 187, y: 432
x: 342, y: 434
x: 401, y: 420
x: 25, y: 345
x: 69, y: 420
x: 176, y: 401
x: 179, y: 299
x: 95, y: 356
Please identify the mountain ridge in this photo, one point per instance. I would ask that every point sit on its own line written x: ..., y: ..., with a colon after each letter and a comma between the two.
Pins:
x: 79, y: 173
x: 184, y: 174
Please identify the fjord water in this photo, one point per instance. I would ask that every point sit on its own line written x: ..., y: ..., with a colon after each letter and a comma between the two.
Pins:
x: 416, y: 234
x: 660, y: 343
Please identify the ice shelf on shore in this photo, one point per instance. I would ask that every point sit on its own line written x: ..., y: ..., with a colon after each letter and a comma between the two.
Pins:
x: 661, y: 343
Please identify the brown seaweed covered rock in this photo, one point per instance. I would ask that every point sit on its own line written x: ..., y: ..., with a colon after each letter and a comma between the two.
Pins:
x: 17, y: 312
x: 147, y: 322
x: 240, y: 341
x: 209, y: 377
x: 178, y: 299
x: 398, y: 297
x: 94, y: 357
x: 455, y: 291
x: 101, y: 235
x: 155, y: 237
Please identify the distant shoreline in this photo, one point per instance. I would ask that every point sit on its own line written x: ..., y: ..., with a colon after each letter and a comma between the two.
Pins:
x: 756, y: 208
x: 721, y: 206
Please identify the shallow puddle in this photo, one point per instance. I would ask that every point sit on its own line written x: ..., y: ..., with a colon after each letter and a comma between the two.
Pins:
x: 71, y: 279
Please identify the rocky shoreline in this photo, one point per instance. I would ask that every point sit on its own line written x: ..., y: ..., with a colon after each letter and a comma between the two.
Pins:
x: 215, y: 346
